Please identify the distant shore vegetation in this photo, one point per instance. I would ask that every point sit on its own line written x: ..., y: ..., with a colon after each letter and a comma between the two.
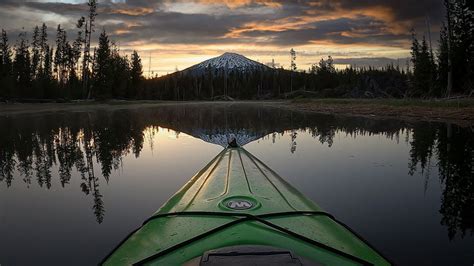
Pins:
x: 69, y: 68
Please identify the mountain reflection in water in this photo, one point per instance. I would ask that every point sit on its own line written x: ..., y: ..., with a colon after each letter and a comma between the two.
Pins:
x: 81, y: 141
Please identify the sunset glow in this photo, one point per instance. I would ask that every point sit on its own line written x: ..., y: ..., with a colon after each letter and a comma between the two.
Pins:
x: 177, y: 34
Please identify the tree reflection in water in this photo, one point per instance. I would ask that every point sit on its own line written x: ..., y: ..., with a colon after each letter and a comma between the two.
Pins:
x: 32, y: 145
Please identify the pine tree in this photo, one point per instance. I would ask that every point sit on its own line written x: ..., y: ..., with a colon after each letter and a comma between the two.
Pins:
x: 330, y: 65
x: 136, y: 74
x: 63, y: 59
x: 416, y: 61
x: 463, y: 45
x: 5, y: 55
x: 48, y: 85
x: 119, y: 73
x: 59, y: 54
x: 325, y: 73
x: 71, y: 74
x: 423, y: 67
x: 442, y: 60
x: 36, y: 49
x: 292, y: 66
x: 431, y: 66
x: 457, y: 47
x: 22, y: 66
x: 89, y: 29
x: 48, y: 63
x: 43, y: 48
x: 6, y: 79
x: 77, y: 45
x: 101, y: 68
x: 415, y: 49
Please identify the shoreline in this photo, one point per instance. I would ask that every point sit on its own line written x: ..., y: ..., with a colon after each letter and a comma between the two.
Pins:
x: 456, y: 112
x: 460, y: 112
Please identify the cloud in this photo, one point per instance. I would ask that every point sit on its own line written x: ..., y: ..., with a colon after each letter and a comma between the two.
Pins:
x: 385, y: 22
x: 355, y: 28
x: 377, y: 62
x: 240, y: 3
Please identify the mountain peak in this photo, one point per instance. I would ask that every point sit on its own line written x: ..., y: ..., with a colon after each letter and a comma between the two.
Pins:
x: 227, y: 54
x: 227, y: 61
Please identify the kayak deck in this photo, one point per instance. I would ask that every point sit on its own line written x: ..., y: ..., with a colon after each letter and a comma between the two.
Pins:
x: 236, y: 200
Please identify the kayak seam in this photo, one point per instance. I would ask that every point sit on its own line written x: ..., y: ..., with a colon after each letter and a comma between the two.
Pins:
x: 226, y: 179
x: 182, y: 192
x: 250, y: 217
x: 207, y: 177
x: 245, y: 172
x: 271, y: 182
x: 280, y: 179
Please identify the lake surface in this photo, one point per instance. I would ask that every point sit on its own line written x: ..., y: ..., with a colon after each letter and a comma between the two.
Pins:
x: 74, y: 184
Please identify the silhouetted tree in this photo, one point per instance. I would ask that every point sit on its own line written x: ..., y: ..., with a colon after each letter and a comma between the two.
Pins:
x: 460, y: 47
x: 292, y: 66
x: 423, y: 67
x: 101, y: 71
x: 22, y: 65
x: 89, y: 29
x: 44, y: 48
x: 120, y: 74
x: 442, y: 61
x: 36, y: 53
x: 61, y: 56
x: 136, y: 74
x: 6, y: 67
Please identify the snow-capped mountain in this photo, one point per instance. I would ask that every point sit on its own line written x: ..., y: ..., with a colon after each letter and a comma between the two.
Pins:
x: 223, y: 137
x: 226, y: 62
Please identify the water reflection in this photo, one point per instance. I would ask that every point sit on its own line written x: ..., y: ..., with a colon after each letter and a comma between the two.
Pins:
x: 31, y: 147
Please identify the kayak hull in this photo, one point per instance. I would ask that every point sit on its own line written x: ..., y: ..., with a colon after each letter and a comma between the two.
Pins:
x: 236, y: 200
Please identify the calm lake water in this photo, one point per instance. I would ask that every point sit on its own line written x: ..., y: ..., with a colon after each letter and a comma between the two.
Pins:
x: 73, y: 184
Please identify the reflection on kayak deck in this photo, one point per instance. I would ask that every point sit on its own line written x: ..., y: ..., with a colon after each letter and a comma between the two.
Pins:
x: 93, y: 153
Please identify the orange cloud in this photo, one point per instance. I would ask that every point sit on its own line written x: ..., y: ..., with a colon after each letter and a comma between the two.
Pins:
x: 379, y: 13
x: 131, y: 11
x: 121, y: 31
x: 239, y: 3
x: 293, y: 23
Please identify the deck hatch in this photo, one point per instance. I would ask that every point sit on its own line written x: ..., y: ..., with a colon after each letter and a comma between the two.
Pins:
x: 239, y: 203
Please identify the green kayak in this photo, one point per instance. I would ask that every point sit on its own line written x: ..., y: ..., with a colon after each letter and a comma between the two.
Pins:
x: 237, y: 211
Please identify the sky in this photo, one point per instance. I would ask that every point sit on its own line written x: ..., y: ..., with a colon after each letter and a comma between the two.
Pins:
x: 177, y: 34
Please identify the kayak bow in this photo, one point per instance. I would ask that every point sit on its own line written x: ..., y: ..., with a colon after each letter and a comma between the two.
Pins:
x: 237, y: 210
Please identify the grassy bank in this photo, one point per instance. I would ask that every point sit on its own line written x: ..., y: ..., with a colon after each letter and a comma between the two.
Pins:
x: 452, y: 103
x: 459, y: 111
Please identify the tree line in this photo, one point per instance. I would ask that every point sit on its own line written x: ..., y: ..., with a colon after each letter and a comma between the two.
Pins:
x: 449, y: 70
x: 74, y: 70
x: 69, y: 70
x: 37, y: 69
x: 321, y: 80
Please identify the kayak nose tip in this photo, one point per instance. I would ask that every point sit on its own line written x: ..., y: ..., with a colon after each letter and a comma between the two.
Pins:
x: 232, y: 143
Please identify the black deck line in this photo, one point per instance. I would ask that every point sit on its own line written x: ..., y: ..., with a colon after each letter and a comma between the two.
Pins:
x: 248, y: 217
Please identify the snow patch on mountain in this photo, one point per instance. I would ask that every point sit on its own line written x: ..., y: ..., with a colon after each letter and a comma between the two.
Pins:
x: 223, y: 137
x: 227, y: 62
